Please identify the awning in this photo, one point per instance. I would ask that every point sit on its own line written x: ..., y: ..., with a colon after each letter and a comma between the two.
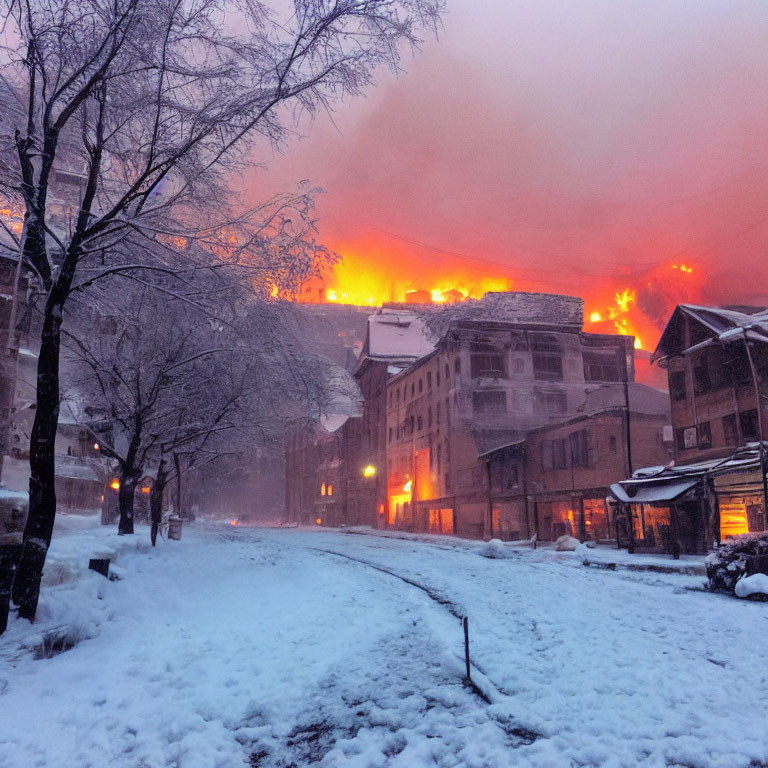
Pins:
x: 637, y: 493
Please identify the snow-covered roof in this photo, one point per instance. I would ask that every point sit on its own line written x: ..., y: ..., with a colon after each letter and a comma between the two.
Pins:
x: 397, y: 334
x: 655, y: 482
x: 75, y: 471
x: 651, y: 494
x: 722, y: 323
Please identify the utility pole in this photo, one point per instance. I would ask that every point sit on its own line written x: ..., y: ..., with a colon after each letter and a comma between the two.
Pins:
x: 756, y: 383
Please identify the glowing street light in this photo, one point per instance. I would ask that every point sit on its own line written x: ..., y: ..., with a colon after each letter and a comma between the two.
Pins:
x: 369, y: 471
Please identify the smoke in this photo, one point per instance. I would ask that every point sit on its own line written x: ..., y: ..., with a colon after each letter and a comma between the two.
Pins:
x: 572, y: 147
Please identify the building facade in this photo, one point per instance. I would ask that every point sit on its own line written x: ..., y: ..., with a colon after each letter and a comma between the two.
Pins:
x: 717, y: 365
x: 499, y: 375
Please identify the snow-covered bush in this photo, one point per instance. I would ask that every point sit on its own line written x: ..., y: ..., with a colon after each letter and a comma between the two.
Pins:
x: 567, y: 543
x: 728, y: 564
x: 493, y: 549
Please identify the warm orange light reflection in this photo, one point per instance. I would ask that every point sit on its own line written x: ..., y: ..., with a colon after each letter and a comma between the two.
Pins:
x: 233, y: 522
x: 318, y: 521
x: 115, y: 485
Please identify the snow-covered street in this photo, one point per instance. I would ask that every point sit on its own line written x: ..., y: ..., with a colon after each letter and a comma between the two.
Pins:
x: 262, y: 647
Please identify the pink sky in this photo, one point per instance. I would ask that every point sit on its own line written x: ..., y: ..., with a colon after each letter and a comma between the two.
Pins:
x: 568, y: 142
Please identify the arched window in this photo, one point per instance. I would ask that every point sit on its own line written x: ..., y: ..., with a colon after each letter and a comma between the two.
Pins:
x: 322, y: 489
x: 330, y: 489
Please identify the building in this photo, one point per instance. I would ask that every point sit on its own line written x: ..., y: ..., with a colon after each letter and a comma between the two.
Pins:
x: 717, y: 366
x: 336, y: 466
x: 503, y: 368
x: 315, y: 487
x: 395, y: 339
x: 556, y: 481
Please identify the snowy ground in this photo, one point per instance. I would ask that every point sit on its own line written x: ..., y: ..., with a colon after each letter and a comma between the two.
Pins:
x: 277, y: 648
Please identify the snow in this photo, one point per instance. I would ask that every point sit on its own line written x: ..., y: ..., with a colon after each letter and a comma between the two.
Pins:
x: 274, y: 647
x: 651, y: 494
x: 397, y: 334
x: 756, y: 584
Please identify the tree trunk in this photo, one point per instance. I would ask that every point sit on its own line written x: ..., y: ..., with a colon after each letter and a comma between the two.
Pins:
x: 42, y: 486
x: 156, y: 500
x: 9, y: 556
x: 125, y: 502
x: 177, y: 465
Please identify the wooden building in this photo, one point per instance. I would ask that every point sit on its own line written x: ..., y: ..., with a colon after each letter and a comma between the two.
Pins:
x: 717, y: 365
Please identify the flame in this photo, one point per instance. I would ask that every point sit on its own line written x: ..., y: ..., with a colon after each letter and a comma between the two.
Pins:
x: 636, y: 302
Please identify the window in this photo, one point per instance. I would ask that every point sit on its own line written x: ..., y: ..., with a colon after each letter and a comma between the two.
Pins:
x: 547, y: 358
x: 429, y: 417
x: 322, y: 489
x: 518, y: 365
x: 390, y: 434
x: 419, y: 424
x: 685, y: 438
x: 749, y: 426
x: 413, y: 388
x: 411, y: 423
x: 330, y: 489
x: 437, y: 413
x: 457, y: 373
x: 730, y: 432
x: 710, y: 370
x: 429, y: 380
x: 701, y: 382
x: 612, y: 445
x: 437, y: 378
x: 677, y: 385
x: 546, y: 455
x: 704, y: 434
x: 397, y: 394
x: 554, y: 454
x: 421, y: 386
x: 601, y: 367
x: 489, y: 401
x: 581, y: 448
x: 549, y: 402
x: 486, y: 361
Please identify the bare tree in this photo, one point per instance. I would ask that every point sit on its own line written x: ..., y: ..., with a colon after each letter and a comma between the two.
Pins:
x: 158, y: 100
x: 175, y: 384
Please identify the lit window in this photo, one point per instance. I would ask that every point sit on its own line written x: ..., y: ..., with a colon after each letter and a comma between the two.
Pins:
x: 330, y: 489
x: 322, y: 490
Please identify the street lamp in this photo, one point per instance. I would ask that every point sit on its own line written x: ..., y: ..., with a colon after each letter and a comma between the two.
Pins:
x: 369, y: 471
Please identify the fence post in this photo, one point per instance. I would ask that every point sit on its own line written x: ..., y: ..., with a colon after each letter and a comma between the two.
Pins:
x: 465, y: 623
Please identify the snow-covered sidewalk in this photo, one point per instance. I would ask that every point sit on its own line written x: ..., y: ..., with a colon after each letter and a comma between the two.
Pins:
x: 274, y: 648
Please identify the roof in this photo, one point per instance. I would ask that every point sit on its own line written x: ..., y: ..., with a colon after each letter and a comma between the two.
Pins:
x: 655, y: 484
x: 642, y: 398
x: 75, y: 471
x: 651, y: 494
x: 397, y: 336
x: 721, y: 324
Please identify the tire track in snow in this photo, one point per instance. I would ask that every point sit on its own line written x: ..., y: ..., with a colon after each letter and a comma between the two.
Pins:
x: 495, y: 692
